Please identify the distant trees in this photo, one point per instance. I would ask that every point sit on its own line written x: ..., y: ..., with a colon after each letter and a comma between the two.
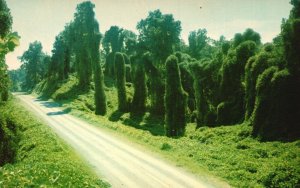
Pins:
x: 198, y: 40
x: 175, y: 100
x: 34, y: 65
x: 212, y: 82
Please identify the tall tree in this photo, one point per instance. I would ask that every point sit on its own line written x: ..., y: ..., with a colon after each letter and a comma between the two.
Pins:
x: 139, y: 81
x: 112, y: 43
x: 87, y: 52
x: 276, y: 113
x: 121, y: 79
x: 206, y: 87
x: 175, y: 100
x: 231, y: 110
x: 83, y: 25
x: 159, y: 34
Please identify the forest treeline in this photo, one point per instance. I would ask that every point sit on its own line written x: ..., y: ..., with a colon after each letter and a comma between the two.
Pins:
x: 210, y: 82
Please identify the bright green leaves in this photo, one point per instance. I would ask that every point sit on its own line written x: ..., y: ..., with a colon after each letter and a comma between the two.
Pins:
x: 8, y: 43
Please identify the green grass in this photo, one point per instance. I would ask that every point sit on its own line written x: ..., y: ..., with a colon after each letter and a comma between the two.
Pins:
x: 226, y: 152
x: 41, y: 159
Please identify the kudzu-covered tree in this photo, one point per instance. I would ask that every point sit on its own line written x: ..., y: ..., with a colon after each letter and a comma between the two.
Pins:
x: 276, y: 113
x: 231, y: 109
x: 63, y: 47
x: 100, y: 98
x: 139, y: 82
x: 83, y: 26
x: 112, y: 42
x: 87, y: 50
x: 120, y: 81
x: 206, y: 87
x: 160, y: 45
x: 175, y: 100
x: 156, y: 87
x: 57, y: 64
x: 254, y: 67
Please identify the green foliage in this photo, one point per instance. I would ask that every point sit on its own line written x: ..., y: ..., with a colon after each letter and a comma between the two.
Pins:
x: 254, y: 67
x: 9, y: 138
x: 86, y: 29
x: 175, y: 100
x: 113, y: 40
x: 130, y: 41
x: 34, y: 65
x: 120, y: 81
x: 5, y: 19
x: 67, y: 90
x: 41, y: 159
x: 232, y: 87
x: 138, y: 104
x: 198, y: 44
x: 276, y: 99
x: 206, y: 84
x: 249, y: 34
x: 156, y: 87
x: 228, y: 152
x: 100, y: 98
x: 110, y: 65
x: 187, y: 84
x: 60, y: 60
x: 159, y: 31
x: 276, y: 113
x: 8, y: 41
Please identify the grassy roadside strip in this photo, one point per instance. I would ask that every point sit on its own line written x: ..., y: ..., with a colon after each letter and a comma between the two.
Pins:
x: 42, y: 159
x: 228, y: 152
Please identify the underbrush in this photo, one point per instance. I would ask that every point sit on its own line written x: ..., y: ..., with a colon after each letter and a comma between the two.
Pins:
x: 228, y: 152
x: 41, y: 159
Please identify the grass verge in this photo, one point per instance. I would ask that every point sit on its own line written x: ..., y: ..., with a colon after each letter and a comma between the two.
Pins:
x: 41, y: 158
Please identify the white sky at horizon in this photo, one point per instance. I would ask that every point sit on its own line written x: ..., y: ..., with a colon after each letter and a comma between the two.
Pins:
x: 42, y: 20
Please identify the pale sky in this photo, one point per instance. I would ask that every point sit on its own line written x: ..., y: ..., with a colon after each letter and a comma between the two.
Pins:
x: 42, y: 20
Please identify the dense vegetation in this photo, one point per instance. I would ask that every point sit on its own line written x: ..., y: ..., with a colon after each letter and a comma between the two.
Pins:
x: 32, y: 155
x: 227, y: 82
x: 155, y: 76
x: 8, y: 41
